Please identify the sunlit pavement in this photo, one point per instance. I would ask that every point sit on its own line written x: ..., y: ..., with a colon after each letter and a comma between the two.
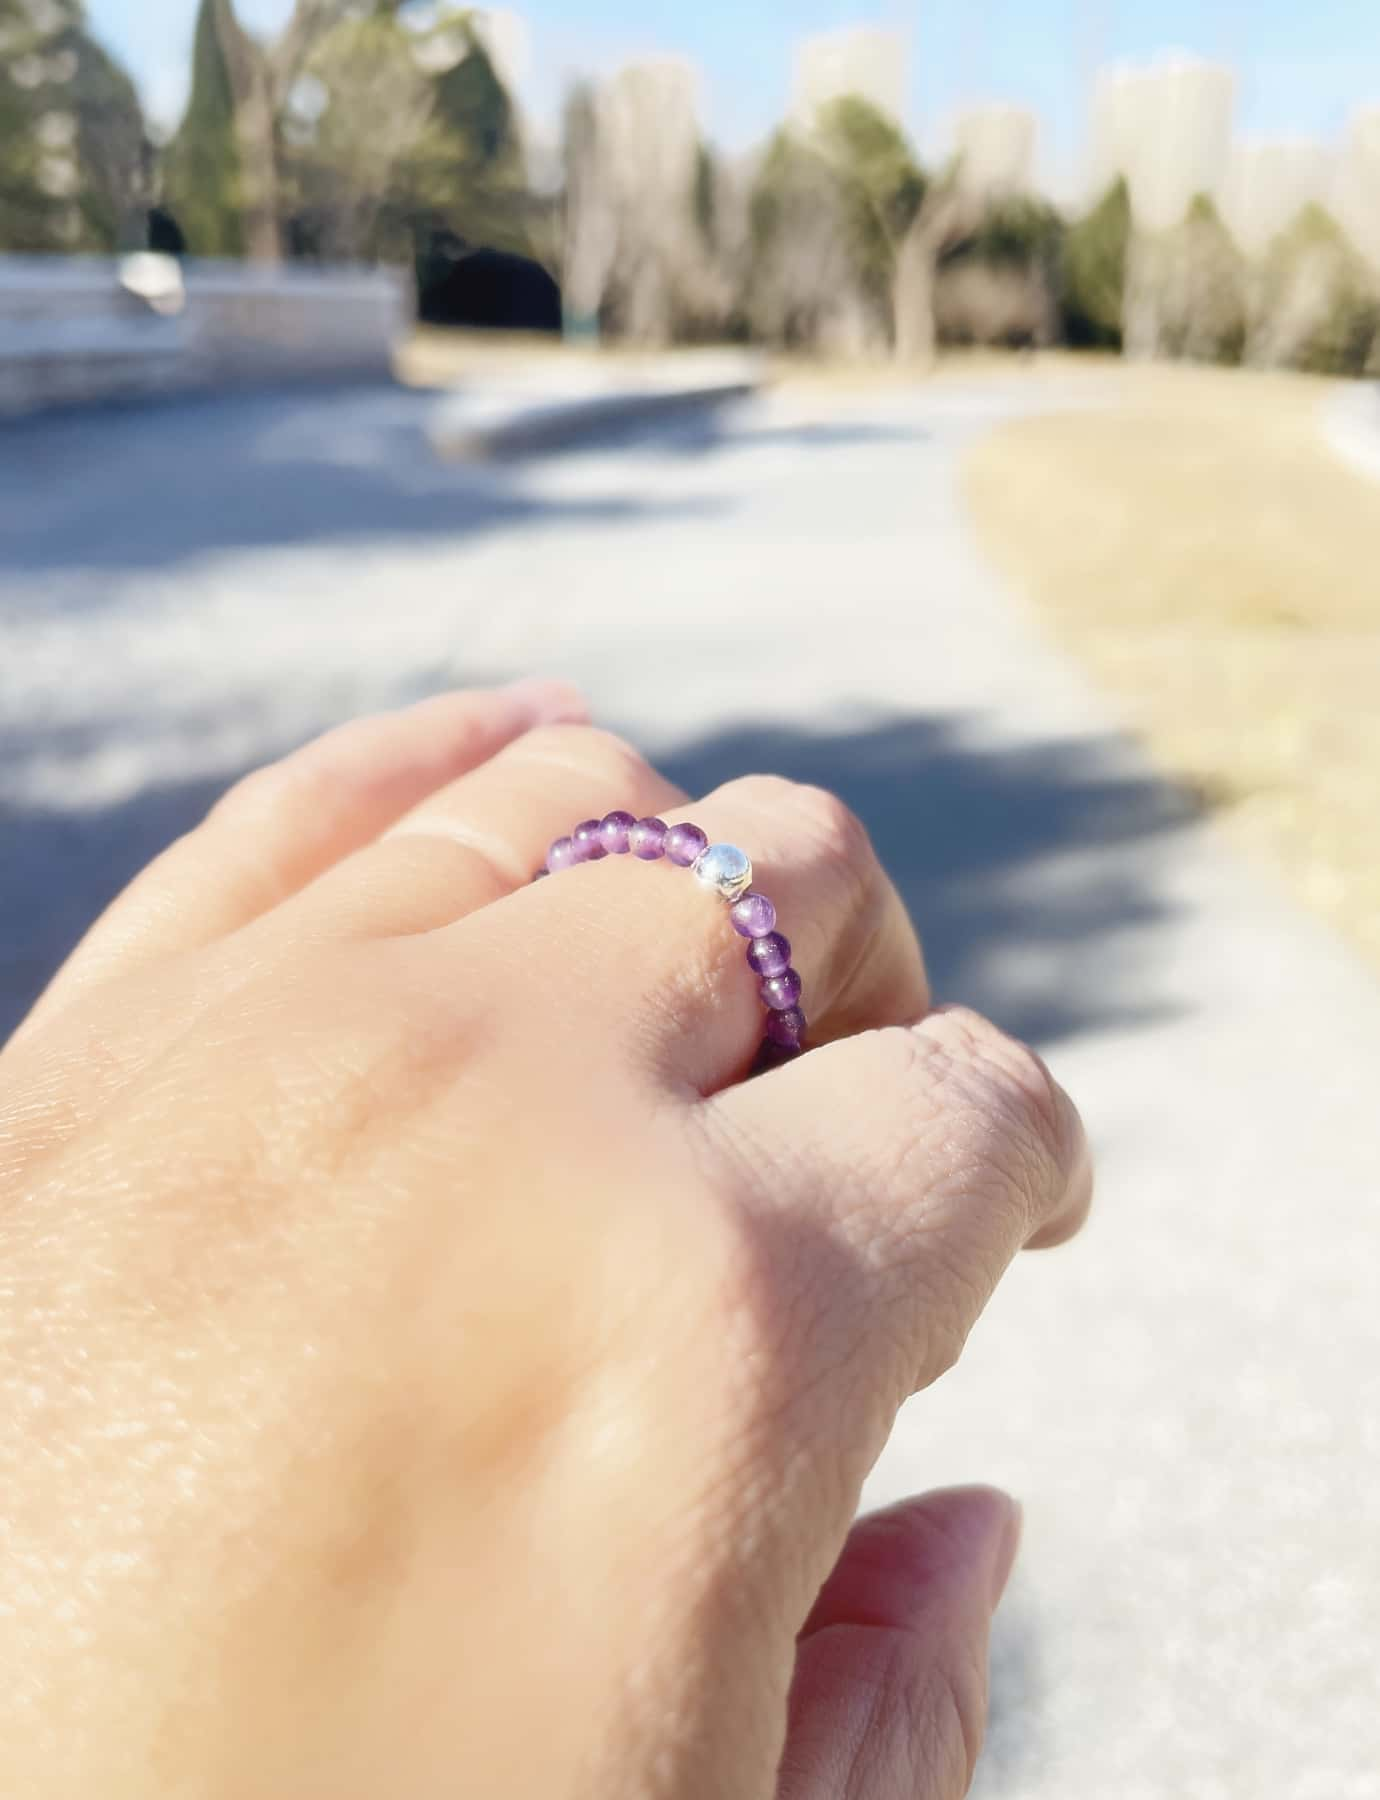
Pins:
x: 1187, y: 1400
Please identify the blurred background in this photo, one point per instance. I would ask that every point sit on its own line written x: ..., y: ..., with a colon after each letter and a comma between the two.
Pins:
x: 972, y: 407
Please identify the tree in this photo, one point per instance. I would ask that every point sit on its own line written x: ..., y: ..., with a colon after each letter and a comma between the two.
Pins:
x: 74, y: 157
x: 1093, y: 272
x: 1315, y: 303
x: 1186, y: 291
x: 998, y: 274
x: 590, y: 223
x: 114, y: 155
x: 806, y: 289
x: 358, y: 127
x: 26, y: 210
x: 636, y: 255
x: 201, y: 170
x: 230, y: 136
x: 882, y: 187
x: 847, y: 230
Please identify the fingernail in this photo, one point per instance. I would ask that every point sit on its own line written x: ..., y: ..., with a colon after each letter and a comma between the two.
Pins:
x: 548, y: 701
x: 1004, y: 1559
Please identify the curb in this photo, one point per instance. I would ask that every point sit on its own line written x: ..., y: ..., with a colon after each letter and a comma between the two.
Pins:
x: 477, y: 426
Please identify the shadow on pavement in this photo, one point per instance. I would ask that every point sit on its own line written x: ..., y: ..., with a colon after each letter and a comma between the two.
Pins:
x: 117, y: 490
x: 1006, y: 857
x: 987, y: 845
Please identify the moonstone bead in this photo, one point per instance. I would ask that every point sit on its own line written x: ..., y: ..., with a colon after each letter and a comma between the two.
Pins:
x: 726, y: 869
x: 585, y: 837
x: 769, y: 955
x: 613, y: 832
x: 753, y: 916
x: 786, y: 1027
x: 647, y: 839
x: 561, y: 855
x: 781, y: 991
x: 684, y: 844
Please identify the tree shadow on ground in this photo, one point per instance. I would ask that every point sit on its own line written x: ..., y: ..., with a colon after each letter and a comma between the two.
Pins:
x: 1023, y: 866
x: 120, y: 490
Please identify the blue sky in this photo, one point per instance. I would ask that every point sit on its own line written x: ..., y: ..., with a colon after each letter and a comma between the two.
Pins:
x: 1302, y: 64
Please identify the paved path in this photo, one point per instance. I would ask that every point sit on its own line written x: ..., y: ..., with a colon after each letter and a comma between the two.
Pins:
x: 1188, y: 1400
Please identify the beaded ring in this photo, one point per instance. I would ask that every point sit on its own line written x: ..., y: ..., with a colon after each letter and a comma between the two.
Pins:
x: 728, y: 872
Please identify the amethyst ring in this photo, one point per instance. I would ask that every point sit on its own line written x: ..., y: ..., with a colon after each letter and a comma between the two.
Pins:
x: 727, y: 872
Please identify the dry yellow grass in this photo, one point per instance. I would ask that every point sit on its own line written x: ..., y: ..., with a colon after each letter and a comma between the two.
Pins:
x: 1201, y: 549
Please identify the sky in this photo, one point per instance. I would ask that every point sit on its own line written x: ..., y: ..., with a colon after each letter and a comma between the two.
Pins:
x: 1302, y: 67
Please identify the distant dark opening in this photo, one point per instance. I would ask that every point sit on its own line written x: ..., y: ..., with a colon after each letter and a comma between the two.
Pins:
x: 495, y: 288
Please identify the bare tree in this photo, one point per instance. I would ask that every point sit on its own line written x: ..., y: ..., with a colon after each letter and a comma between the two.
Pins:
x: 261, y: 76
x: 361, y: 118
x: 590, y: 217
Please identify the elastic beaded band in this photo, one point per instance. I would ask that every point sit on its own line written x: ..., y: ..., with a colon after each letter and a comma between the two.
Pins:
x: 725, y: 869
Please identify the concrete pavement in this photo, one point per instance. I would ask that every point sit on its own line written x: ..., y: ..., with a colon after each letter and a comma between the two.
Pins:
x: 1188, y: 1399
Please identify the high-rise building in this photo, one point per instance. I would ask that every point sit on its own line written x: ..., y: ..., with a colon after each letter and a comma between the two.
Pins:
x: 996, y: 148
x: 1166, y: 126
x: 1356, y: 194
x: 1268, y: 183
x: 864, y: 60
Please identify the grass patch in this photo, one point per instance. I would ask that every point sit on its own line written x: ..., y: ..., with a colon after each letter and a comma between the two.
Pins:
x: 1201, y: 549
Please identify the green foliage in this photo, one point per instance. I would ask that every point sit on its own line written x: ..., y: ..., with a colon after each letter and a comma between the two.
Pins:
x: 73, y: 156
x: 1013, y: 231
x: 474, y: 176
x: 881, y: 184
x: 201, y: 173
x: 1313, y: 265
x: 1195, y: 282
x: 1093, y: 283
x: 27, y: 220
x: 113, y: 150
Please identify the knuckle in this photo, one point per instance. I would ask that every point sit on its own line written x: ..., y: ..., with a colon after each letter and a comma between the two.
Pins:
x: 254, y: 793
x: 1027, y: 1125
x: 831, y: 826
x: 586, y: 748
x: 825, y: 834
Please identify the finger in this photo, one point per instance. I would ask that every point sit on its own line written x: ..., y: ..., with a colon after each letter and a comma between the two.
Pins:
x: 918, y: 1160
x: 654, y: 971
x: 889, y: 1700
x: 483, y: 836
x: 274, y: 831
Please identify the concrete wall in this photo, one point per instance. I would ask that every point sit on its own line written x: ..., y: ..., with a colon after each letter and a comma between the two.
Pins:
x: 74, y: 330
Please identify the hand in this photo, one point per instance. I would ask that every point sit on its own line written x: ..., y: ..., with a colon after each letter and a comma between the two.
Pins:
x: 430, y: 1368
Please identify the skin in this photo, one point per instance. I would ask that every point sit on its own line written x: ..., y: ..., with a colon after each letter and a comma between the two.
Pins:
x: 428, y: 1366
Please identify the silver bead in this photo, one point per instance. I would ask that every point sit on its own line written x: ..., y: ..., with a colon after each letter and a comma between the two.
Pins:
x: 726, y: 869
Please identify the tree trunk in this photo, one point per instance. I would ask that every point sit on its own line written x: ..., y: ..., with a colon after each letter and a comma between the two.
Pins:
x: 256, y: 130
x: 912, y: 295
x: 255, y: 133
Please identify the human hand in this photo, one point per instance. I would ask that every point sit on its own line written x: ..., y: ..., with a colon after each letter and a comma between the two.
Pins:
x: 430, y: 1368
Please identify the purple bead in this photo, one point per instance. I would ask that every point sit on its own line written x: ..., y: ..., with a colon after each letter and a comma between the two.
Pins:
x: 786, y: 1027
x: 613, y: 832
x: 781, y: 991
x: 684, y: 843
x: 753, y: 916
x: 769, y: 955
x: 561, y: 855
x: 586, y: 840
x: 647, y: 839
x: 772, y: 1055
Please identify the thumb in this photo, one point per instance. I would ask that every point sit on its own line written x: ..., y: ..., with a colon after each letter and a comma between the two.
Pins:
x: 889, y: 1698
